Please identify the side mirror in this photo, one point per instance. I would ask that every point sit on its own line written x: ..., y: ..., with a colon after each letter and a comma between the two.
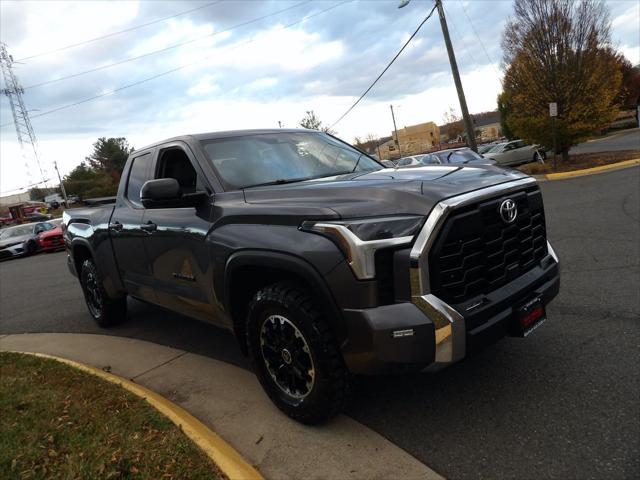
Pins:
x: 166, y: 193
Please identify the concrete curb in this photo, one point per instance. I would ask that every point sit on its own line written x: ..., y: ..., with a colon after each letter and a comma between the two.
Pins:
x: 222, y: 454
x: 589, y: 171
x: 229, y: 400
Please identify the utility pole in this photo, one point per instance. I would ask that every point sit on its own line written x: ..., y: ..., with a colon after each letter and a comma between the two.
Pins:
x: 471, y: 135
x: 64, y: 192
x: 395, y: 129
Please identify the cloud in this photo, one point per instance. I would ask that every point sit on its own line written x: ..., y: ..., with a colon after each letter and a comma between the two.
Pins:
x: 272, y: 69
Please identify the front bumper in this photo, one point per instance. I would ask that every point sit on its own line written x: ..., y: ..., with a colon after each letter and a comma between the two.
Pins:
x: 411, y: 336
x: 12, y: 251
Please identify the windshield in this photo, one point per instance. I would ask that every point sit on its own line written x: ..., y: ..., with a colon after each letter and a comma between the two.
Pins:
x: 286, y: 157
x: 498, y: 148
x: 16, y: 231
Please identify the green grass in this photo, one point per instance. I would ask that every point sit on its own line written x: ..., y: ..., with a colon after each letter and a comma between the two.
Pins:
x: 60, y: 423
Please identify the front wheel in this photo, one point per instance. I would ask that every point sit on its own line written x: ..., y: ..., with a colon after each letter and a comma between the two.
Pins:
x: 106, y: 311
x: 30, y: 248
x: 295, y: 356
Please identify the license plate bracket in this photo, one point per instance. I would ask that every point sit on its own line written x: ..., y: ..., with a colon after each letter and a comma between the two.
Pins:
x: 528, y: 317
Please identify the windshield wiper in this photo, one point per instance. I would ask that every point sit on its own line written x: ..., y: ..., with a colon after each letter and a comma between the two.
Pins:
x: 279, y: 181
x: 357, y: 162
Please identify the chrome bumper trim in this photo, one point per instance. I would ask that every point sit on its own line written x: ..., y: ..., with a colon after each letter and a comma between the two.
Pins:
x: 552, y: 252
x: 450, y: 334
x: 450, y: 331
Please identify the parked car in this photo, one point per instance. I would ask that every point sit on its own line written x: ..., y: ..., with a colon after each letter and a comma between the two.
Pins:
x: 412, y: 160
x: 482, y: 149
x: 51, y: 240
x: 322, y: 263
x: 389, y: 163
x: 456, y: 156
x: 21, y: 239
x: 38, y: 217
x: 516, y: 152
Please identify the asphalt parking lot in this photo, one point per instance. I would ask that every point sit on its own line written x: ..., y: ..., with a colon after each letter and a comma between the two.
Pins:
x: 564, y: 403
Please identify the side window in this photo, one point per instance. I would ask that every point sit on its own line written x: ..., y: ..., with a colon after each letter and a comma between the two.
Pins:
x: 138, y: 174
x: 174, y: 163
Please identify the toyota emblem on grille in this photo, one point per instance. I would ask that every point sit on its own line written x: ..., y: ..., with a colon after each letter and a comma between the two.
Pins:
x: 508, y: 210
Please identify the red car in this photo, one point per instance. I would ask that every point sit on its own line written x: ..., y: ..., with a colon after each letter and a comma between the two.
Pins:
x: 51, y: 240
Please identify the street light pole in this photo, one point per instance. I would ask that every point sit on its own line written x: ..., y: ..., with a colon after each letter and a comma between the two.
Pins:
x: 395, y: 129
x: 468, y: 123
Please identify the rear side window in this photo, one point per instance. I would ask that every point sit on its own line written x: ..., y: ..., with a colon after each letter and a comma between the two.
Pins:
x: 138, y: 174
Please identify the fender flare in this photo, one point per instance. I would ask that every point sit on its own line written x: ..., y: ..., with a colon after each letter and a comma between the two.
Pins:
x: 83, y: 242
x: 295, y: 265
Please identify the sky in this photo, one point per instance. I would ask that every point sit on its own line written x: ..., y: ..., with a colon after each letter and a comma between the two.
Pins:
x: 234, y: 64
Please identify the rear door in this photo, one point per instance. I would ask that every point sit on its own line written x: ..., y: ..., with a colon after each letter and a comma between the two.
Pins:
x: 176, y: 240
x: 127, y: 236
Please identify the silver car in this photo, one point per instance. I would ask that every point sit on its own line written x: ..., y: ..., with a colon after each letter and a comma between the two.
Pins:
x: 515, y: 152
x: 21, y: 239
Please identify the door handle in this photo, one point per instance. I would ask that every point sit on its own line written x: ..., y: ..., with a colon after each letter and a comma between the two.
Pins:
x: 116, y: 226
x: 149, y: 226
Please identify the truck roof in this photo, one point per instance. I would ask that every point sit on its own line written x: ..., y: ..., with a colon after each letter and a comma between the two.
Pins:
x: 224, y: 134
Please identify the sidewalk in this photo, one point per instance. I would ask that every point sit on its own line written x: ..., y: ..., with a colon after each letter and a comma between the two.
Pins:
x: 229, y: 400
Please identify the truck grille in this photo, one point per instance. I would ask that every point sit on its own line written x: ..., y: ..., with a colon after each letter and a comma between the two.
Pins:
x: 476, y: 252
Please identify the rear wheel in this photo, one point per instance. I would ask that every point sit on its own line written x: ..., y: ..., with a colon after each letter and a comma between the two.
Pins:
x: 106, y: 311
x: 295, y: 356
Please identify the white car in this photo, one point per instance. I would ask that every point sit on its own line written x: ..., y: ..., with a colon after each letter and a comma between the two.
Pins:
x: 409, y: 161
x: 515, y: 152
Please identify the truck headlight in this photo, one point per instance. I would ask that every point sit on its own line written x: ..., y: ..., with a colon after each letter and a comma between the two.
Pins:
x: 359, y: 239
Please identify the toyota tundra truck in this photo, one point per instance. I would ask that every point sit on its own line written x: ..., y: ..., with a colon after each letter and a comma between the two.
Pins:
x: 321, y: 261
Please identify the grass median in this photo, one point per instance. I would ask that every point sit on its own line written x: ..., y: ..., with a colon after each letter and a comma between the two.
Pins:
x: 59, y: 422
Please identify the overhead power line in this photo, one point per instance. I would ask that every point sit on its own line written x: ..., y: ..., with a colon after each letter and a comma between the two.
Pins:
x: 165, y: 49
x: 167, y: 72
x: 385, y: 68
x: 464, y: 9
x: 470, y: 59
x: 113, y: 34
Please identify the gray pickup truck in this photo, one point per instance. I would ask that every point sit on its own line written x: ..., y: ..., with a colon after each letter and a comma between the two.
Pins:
x: 324, y: 263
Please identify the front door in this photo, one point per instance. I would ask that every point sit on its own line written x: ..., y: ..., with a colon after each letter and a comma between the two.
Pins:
x: 127, y: 236
x: 176, y: 240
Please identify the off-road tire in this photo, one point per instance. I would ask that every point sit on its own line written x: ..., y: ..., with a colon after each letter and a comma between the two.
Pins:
x: 106, y: 311
x: 332, y: 383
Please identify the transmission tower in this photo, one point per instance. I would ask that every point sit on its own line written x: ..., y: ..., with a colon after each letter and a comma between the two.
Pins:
x: 26, y: 136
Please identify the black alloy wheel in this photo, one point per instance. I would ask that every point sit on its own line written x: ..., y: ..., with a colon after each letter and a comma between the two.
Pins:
x: 287, y: 356
x: 295, y: 354
x: 106, y: 311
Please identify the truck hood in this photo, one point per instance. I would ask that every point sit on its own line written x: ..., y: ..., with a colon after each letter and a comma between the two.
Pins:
x: 382, y: 192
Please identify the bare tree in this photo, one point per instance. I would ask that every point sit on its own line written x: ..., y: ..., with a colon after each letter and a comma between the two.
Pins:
x: 453, y: 125
x: 312, y: 122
